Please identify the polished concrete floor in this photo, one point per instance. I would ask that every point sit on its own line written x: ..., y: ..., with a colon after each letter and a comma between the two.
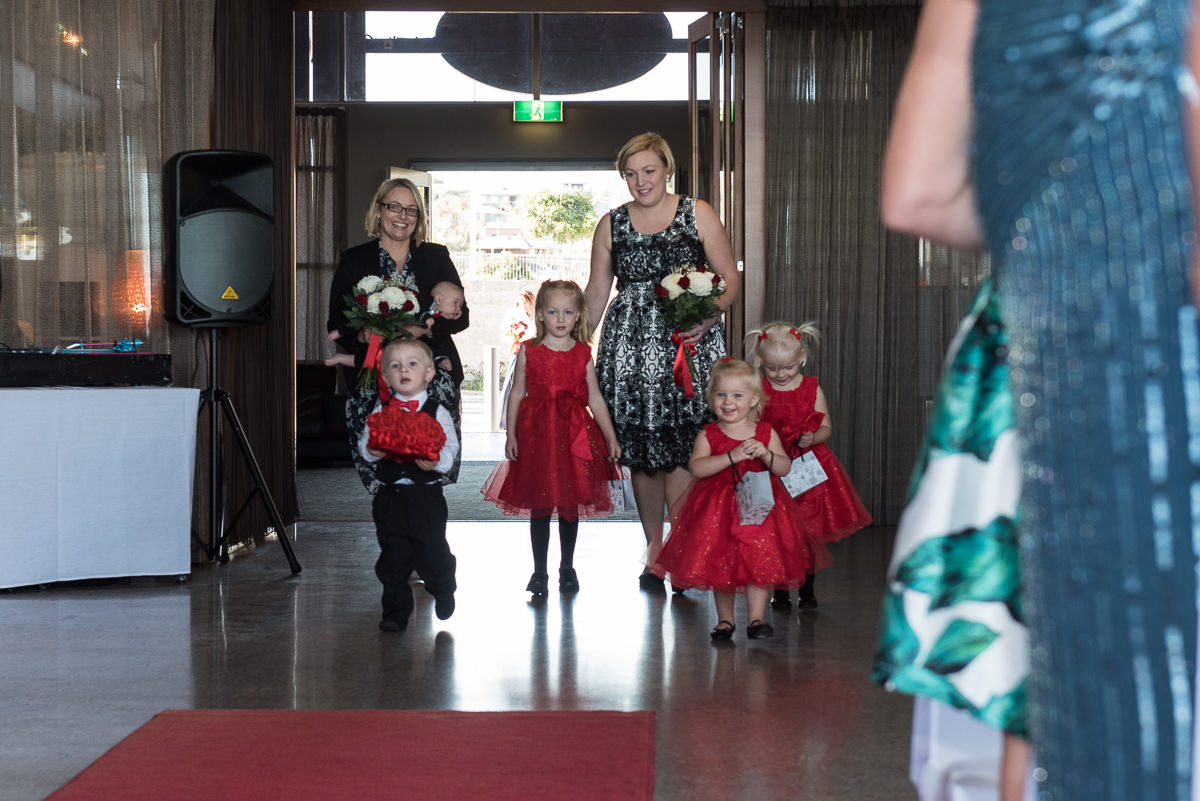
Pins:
x: 792, y: 717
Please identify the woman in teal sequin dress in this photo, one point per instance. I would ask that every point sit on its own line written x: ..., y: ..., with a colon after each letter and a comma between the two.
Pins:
x: 1063, y: 153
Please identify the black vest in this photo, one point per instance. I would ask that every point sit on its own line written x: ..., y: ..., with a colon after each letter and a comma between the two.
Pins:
x: 390, y: 471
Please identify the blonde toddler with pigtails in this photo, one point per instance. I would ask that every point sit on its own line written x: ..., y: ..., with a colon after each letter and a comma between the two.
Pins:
x: 796, y: 408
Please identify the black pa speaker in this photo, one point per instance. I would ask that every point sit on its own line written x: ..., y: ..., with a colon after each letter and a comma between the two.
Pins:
x: 220, y: 237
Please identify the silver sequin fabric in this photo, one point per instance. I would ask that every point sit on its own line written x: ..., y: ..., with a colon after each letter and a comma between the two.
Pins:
x: 1084, y: 193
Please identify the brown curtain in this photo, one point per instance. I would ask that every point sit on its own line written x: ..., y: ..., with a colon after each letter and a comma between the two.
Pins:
x: 252, y: 110
x: 886, y: 305
x: 319, y: 222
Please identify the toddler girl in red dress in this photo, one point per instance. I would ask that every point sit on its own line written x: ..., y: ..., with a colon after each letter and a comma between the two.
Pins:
x: 796, y: 408
x: 708, y: 546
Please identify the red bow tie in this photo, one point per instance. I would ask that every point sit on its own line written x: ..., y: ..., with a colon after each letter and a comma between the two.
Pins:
x: 409, y: 405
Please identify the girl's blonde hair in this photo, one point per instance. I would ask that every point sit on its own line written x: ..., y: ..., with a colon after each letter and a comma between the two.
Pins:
x: 580, y: 332
x: 783, y: 341
x: 372, y: 222
x: 729, y: 367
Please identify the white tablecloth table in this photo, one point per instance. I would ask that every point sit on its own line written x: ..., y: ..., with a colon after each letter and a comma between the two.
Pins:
x: 95, y: 482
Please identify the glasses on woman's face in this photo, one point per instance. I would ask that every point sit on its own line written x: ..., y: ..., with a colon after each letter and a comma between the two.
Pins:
x: 412, y: 212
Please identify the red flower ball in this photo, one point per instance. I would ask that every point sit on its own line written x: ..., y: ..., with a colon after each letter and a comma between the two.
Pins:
x: 405, y: 436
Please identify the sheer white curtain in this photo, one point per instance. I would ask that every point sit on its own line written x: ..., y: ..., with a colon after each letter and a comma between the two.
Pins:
x: 94, y: 97
x: 319, y: 215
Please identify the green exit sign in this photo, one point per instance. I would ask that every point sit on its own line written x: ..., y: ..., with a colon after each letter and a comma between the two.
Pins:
x: 537, y: 111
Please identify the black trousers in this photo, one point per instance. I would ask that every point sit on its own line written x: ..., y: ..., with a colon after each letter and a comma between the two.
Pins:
x: 410, y: 524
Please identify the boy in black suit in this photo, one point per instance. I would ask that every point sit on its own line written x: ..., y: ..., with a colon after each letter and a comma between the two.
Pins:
x: 409, y: 509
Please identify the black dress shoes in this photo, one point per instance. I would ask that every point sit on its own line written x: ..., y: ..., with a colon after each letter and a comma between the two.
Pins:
x: 443, y: 605
x: 568, y: 580
x: 539, y: 584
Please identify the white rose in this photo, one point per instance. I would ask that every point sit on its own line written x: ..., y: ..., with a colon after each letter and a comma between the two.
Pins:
x: 671, y: 284
x: 373, y: 304
x: 701, y: 284
x: 367, y: 285
x: 394, y: 297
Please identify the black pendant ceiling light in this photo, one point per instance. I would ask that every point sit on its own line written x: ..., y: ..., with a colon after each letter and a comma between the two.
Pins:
x: 577, y: 53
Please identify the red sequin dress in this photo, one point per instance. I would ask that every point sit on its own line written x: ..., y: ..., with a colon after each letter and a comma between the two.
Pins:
x: 832, y: 510
x: 563, y: 466
x: 707, y: 548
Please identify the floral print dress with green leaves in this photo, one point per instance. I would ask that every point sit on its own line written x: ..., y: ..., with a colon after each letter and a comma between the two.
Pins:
x: 952, y: 627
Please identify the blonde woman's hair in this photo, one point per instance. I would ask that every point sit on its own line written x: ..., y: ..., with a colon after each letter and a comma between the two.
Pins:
x: 647, y: 141
x: 580, y: 333
x: 374, y: 212
x: 729, y: 367
x: 783, y: 341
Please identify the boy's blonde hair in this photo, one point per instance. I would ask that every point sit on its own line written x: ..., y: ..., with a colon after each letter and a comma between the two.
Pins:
x: 426, y: 353
x: 783, y: 341
x: 580, y: 333
x: 729, y: 367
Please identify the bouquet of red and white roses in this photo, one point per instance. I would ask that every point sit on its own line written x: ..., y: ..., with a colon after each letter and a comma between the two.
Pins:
x: 384, y: 307
x: 517, y: 330
x: 688, y: 296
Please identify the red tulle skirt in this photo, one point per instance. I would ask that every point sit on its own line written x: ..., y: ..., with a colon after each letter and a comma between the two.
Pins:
x: 551, y: 477
x: 707, y: 548
x: 831, y: 510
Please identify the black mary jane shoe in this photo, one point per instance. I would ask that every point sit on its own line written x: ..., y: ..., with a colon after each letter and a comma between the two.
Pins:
x: 538, y: 584
x: 806, y: 602
x: 758, y: 630
x: 648, y: 582
x: 722, y: 634
x: 568, y: 580
x: 782, y: 599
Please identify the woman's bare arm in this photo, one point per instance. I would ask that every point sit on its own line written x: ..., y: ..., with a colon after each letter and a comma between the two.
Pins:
x: 926, y: 186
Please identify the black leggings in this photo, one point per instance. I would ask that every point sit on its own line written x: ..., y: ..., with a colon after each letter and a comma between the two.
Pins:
x: 539, y: 536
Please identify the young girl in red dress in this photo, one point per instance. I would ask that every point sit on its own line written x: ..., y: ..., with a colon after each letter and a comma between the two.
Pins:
x: 796, y: 408
x: 559, y: 457
x: 708, y: 547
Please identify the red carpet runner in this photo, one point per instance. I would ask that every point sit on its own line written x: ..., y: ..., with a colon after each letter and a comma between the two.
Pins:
x: 264, y: 755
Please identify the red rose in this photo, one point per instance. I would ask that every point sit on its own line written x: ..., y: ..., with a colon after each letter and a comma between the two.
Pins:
x: 408, y: 306
x: 383, y: 308
x: 684, y: 282
x: 661, y: 291
x: 362, y: 299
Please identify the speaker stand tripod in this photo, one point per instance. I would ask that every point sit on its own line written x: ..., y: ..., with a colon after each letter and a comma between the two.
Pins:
x: 218, y: 545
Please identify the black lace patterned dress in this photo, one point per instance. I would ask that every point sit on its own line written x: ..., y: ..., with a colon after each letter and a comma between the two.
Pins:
x: 656, y: 424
